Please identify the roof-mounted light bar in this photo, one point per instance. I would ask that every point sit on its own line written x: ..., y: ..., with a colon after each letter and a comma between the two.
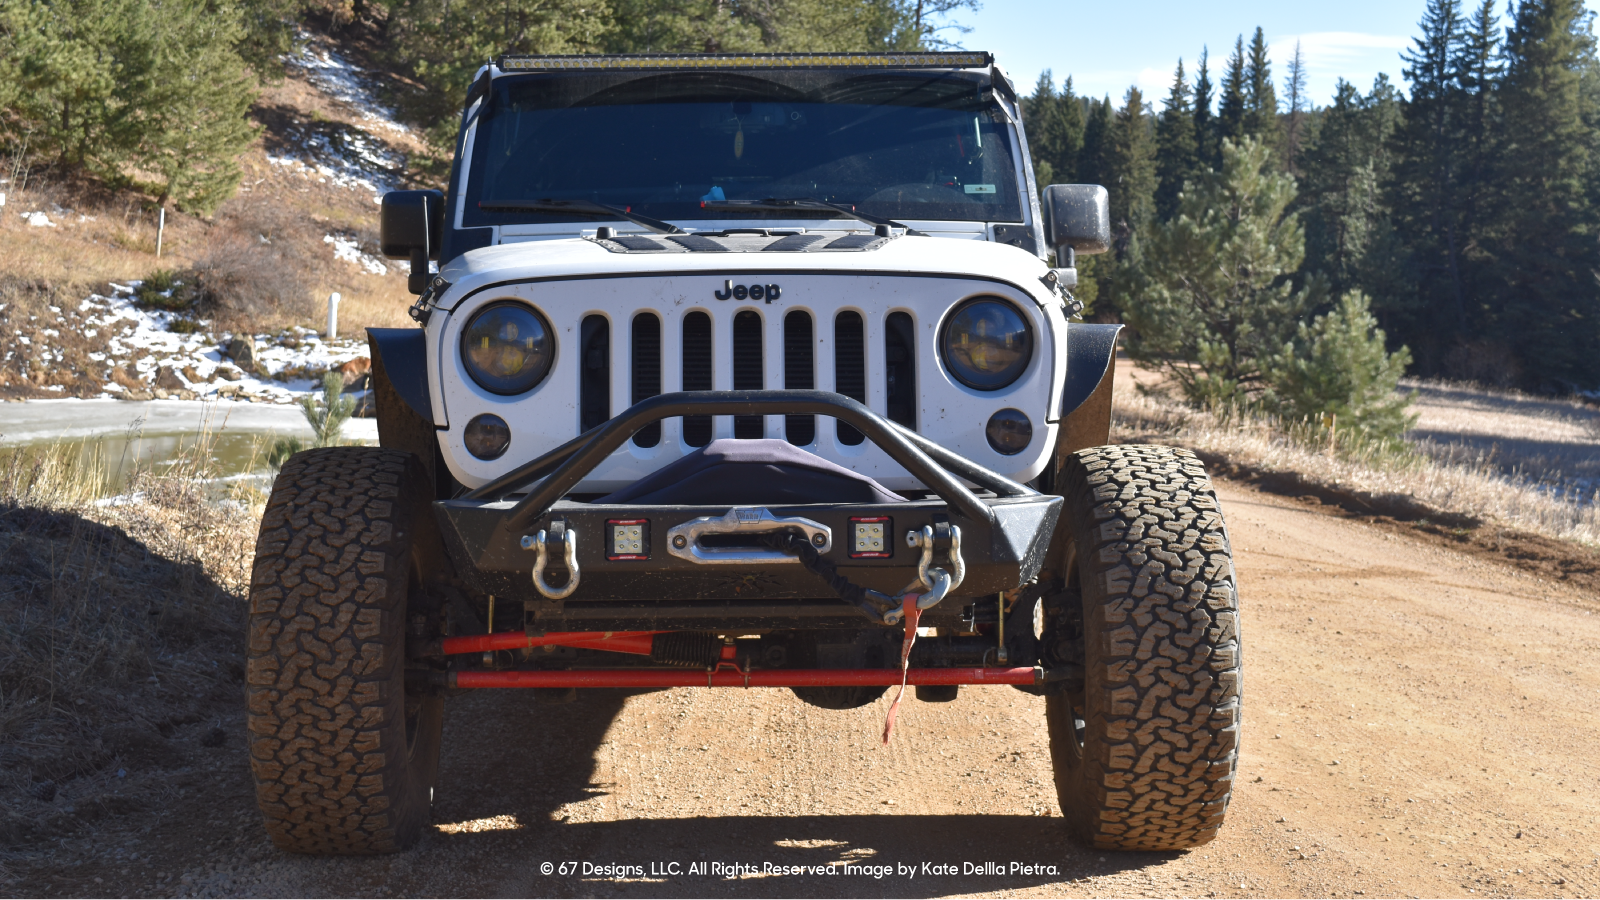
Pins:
x: 947, y: 60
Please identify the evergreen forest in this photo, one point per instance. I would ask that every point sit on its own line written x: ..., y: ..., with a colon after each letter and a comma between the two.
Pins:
x: 1460, y: 215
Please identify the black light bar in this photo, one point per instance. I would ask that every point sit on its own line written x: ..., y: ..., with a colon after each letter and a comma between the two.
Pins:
x: 944, y: 60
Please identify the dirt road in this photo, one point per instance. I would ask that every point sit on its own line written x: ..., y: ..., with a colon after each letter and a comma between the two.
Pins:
x: 1419, y: 722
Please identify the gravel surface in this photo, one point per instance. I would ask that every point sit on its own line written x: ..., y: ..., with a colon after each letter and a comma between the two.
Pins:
x: 1418, y: 722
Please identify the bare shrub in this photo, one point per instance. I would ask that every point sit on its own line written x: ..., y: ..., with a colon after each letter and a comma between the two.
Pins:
x: 241, y: 279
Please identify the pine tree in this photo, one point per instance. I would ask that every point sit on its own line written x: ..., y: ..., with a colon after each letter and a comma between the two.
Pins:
x: 441, y: 43
x: 1097, y: 166
x: 1479, y: 69
x: 1205, y: 143
x: 1294, y: 122
x: 1132, y: 201
x: 1175, y: 146
x: 1344, y: 169
x: 122, y: 89
x: 1094, y: 160
x: 1261, y: 99
x: 1133, y: 164
x: 1073, y: 122
x: 1427, y: 176
x: 1218, y: 299
x: 1232, y: 103
x: 71, y: 66
x: 194, y: 121
x: 1547, y: 309
x: 1338, y: 364
x: 1041, y: 117
x: 269, y: 27
x: 1055, y: 130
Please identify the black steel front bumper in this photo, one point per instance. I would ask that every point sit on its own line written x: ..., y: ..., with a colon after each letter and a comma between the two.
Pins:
x: 1005, y: 531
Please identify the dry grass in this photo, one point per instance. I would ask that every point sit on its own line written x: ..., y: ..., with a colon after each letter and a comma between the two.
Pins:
x: 116, y: 242
x: 1456, y: 480
x: 118, y: 621
x: 1554, y: 441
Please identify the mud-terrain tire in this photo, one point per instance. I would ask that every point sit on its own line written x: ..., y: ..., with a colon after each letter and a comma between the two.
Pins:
x: 1145, y: 754
x: 344, y: 761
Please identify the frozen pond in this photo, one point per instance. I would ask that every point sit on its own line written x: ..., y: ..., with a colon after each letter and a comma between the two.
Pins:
x: 123, y: 435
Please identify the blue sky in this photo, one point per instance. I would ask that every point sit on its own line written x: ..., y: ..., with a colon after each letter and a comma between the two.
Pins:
x: 1106, y: 47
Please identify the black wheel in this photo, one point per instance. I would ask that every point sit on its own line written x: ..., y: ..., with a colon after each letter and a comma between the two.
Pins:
x: 344, y: 757
x: 1146, y: 749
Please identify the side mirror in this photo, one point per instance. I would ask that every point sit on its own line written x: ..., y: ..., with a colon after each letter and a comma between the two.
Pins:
x: 410, y: 225
x: 1077, y: 217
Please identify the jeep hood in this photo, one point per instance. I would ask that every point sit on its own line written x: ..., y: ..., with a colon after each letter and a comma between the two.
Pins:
x: 572, y: 258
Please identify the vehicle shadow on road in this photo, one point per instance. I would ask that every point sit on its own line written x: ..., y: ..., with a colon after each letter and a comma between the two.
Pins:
x: 513, y: 765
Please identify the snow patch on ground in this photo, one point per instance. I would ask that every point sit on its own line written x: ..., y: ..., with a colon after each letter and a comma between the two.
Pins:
x: 349, y: 250
x: 334, y: 153
x: 340, y: 79
x: 139, y: 340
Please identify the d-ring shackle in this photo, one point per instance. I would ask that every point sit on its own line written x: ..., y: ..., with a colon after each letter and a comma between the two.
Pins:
x: 935, y: 581
x: 539, y: 544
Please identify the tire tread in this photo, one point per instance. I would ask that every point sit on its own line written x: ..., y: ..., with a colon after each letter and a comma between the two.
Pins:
x: 1161, y: 625
x: 325, y: 667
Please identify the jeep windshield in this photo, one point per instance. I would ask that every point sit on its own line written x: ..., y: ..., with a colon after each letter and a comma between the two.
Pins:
x: 690, y: 145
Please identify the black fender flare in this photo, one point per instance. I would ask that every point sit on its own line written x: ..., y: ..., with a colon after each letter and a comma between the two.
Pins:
x: 400, y: 392
x: 405, y: 423
x: 1086, y: 402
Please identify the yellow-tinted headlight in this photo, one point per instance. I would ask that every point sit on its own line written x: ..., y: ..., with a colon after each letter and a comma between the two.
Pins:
x: 507, y: 348
x: 986, y: 343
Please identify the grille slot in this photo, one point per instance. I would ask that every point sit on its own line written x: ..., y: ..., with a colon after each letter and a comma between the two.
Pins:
x: 697, y: 373
x: 647, y: 371
x: 799, y: 373
x: 747, y: 369
x: 900, y: 378
x: 849, y: 367
x: 594, y: 379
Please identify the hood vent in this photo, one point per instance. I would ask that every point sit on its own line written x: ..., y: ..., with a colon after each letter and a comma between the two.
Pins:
x: 747, y: 242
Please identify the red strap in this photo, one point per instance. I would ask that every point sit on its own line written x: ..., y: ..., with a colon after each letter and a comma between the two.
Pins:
x: 912, y: 614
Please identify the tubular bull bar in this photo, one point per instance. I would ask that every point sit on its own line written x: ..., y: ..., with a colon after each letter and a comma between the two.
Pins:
x: 727, y: 569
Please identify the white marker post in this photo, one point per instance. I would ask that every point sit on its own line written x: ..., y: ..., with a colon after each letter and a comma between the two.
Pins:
x: 161, y: 230
x: 333, y: 315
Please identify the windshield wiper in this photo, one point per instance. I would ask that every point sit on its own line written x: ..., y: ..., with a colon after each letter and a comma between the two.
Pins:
x: 807, y: 203
x: 582, y: 208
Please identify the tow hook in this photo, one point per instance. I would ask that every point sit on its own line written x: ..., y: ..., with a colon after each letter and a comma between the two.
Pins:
x: 567, y: 539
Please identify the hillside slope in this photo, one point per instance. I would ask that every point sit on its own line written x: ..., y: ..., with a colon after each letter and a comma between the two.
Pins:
x: 303, y: 225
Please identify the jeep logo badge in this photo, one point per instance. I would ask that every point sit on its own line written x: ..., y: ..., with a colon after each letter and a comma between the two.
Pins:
x: 767, y: 292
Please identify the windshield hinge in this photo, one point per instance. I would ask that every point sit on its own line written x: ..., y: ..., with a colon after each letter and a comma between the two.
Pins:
x: 423, y: 308
x: 1061, y: 282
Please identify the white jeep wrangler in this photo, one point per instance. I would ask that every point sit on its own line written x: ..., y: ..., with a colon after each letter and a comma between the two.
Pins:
x: 743, y: 371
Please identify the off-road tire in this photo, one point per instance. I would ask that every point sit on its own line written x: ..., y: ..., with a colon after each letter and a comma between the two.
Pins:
x: 1158, y: 712
x: 344, y: 761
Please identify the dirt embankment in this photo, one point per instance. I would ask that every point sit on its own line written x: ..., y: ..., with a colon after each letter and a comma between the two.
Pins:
x: 1418, y: 722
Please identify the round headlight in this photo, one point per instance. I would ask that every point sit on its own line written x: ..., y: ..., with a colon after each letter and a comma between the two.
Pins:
x: 986, y: 343
x: 487, y: 436
x: 507, y: 348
